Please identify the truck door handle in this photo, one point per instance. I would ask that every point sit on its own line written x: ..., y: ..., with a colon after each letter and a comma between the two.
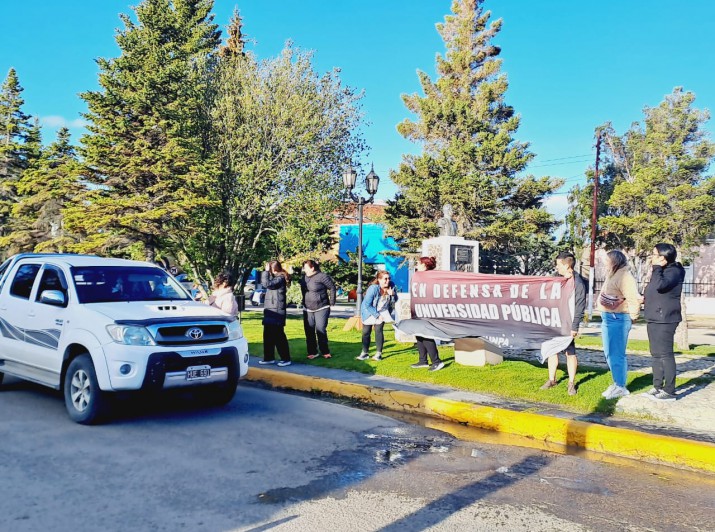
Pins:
x: 31, y: 314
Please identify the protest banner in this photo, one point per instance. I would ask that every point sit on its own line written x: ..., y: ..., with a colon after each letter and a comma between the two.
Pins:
x: 510, y: 311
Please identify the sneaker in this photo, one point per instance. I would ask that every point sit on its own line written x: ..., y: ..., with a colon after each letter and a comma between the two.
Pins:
x: 548, y: 384
x: 608, y: 391
x: 419, y: 365
x: 651, y: 392
x: 618, y: 391
x: 266, y: 362
x: 378, y: 356
x: 363, y: 356
x: 284, y: 363
x: 572, y: 388
x: 436, y: 366
x: 662, y: 396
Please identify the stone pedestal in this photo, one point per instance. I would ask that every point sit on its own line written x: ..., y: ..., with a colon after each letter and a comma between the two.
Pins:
x: 476, y: 352
x: 402, y: 312
x: 453, y: 253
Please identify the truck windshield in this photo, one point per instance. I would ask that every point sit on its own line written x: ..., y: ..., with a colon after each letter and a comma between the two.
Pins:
x: 102, y: 284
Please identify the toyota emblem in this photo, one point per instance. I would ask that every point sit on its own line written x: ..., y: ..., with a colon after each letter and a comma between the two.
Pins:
x: 194, y: 333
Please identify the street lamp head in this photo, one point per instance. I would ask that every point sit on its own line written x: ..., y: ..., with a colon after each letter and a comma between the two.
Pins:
x: 349, y: 177
x: 372, y: 181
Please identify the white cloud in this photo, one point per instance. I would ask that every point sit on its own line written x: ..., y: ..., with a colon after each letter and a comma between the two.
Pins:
x: 557, y: 205
x: 55, y: 121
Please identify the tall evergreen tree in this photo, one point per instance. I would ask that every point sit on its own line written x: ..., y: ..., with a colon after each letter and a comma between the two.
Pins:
x: 470, y: 158
x: 44, y: 190
x: 16, y: 130
x: 145, y: 148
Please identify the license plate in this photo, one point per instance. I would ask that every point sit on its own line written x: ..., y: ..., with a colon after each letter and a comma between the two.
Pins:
x: 198, y: 372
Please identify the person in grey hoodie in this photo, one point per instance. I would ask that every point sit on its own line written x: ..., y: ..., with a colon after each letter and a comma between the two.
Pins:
x: 318, y: 291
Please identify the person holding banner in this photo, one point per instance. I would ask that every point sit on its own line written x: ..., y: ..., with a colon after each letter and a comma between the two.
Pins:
x: 427, y: 346
x: 619, y: 304
x: 376, y: 309
x: 565, y: 263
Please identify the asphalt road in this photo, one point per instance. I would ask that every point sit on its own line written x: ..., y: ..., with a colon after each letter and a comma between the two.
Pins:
x: 272, y: 461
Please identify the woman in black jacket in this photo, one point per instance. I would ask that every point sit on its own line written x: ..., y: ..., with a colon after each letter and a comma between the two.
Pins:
x: 276, y: 281
x: 662, y: 315
x: 318, y: 295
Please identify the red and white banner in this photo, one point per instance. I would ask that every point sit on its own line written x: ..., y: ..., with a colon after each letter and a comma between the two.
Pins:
x: 511, y: 311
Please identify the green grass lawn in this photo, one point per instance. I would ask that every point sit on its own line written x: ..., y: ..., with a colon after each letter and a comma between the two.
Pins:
x: 511, y: 379
x: 641, y: 346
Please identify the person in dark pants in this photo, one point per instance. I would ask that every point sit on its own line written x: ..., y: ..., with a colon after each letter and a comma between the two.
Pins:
x: 376, y: 309
x: 318, y: 296
x: 427, y: 347
x: 662, y: 316
x: 276, y: 282
x: 565, y: 263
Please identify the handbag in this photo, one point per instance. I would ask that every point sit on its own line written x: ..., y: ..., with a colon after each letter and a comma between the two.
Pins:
x: 610, y: 302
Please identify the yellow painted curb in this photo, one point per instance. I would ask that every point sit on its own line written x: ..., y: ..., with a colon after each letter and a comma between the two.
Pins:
x: 590, y: 436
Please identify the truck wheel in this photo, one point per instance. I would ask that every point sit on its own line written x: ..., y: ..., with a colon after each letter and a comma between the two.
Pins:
x: 84, y: 401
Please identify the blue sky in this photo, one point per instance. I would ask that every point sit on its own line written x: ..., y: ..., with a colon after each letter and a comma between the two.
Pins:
x: 571, y: 65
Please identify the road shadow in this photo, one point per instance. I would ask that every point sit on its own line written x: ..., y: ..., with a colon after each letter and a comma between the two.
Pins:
x: 440, y: 509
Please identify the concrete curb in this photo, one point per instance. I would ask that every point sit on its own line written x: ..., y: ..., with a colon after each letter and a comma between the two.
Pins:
x: 616, y: 441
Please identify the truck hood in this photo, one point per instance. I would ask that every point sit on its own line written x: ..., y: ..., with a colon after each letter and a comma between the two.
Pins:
x: 155, y: 309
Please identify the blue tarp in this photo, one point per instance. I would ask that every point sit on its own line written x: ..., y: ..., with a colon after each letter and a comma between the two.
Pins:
x: 374, y: 245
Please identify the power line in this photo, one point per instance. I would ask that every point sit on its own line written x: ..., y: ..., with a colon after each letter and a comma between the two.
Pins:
x: 569, y: 157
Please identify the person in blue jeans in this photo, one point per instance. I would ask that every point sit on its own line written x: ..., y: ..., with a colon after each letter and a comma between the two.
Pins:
x: 376, y: 309
x: 619, y: 304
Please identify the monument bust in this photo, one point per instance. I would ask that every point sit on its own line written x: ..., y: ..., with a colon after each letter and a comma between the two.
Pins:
x: 447, y: 226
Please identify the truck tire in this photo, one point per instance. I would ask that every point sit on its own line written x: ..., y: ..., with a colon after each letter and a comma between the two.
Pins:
x: 85, y: 402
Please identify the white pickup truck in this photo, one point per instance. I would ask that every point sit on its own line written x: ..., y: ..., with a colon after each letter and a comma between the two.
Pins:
x: 90, y: 326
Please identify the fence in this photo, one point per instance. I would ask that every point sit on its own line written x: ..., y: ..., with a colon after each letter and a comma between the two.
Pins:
x: 689, y: 289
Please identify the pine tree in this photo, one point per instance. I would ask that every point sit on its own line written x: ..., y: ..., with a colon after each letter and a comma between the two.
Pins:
x: 470, y: 158
x: 44, y: 190
x: 15, y: 132
x: 145, y: 147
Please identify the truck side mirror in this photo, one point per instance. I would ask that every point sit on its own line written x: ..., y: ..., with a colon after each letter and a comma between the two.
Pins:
x: 53, y: 297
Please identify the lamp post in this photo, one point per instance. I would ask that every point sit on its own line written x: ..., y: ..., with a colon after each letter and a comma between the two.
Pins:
x: 371, y: 183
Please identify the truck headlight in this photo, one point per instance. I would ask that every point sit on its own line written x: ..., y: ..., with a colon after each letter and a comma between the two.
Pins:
x: 130, y: 335
x: 234, y: 330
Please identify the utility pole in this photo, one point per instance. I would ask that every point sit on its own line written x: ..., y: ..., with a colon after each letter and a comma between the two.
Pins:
x: 594, y: 226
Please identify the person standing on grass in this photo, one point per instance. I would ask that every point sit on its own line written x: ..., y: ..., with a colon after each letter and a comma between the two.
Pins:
x: 276, y: 281
x: 376, y: 309
x: 427, y: 347
x: 318, y: 291
x: 619, y: 304
x: 662, y: 316
x: 222, y: 296
x: 565, y: 263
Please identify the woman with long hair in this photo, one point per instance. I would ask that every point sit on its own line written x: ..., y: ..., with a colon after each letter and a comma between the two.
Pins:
x: 276, y: 281
x: 318, y: 291
x: 427, y: 347
x: 376, y: 309
x: 662, y: 316
x: 619, y: 304
x: 222, y: 296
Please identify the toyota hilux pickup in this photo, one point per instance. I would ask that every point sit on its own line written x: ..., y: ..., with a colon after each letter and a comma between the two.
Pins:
x: 91, y: 326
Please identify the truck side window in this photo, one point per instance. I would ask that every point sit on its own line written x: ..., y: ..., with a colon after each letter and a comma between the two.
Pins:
x: 23, y: 281
x: 52, y: 279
